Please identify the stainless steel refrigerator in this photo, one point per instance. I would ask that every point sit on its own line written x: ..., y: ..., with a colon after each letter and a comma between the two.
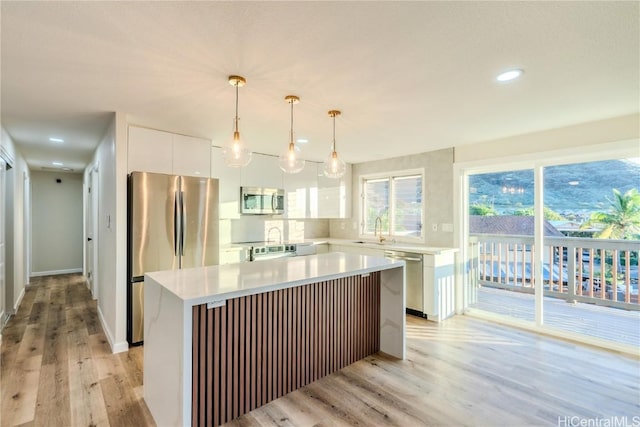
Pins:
x: 173, y: 223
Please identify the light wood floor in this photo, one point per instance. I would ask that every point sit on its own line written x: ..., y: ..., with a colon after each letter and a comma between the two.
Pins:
x: 57, y: 370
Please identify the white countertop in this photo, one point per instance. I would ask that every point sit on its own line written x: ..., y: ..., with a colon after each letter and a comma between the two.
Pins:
x: 386, y: 245
x: 221, y: 282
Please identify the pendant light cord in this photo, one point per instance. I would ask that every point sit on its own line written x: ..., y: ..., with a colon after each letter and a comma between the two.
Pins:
x: 334, y: 133
x: 236, y: 119
x: 291, y: 102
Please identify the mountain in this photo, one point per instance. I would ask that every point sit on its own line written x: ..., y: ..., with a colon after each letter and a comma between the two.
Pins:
x: 575, y: 188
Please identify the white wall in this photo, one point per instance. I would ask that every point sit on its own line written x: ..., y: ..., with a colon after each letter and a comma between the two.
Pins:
x: 438, y: 197
x: 570, y: 138
x: 111, y: 162
x: 16, y: 220
x: 56, y: 223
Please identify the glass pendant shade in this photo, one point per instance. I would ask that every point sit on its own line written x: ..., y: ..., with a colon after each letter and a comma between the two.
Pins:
x: 235, y: 153
x: 290, y: 160
x: 334, y: 167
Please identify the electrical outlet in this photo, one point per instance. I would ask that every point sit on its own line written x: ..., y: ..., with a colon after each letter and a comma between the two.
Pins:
x: 342, y: 226
x: 434, y: 227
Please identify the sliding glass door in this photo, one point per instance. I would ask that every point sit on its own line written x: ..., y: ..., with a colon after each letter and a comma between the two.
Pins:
x: 501, y: 230
x: 556, y: 246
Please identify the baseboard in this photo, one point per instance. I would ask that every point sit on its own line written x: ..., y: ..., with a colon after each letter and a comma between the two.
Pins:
x: 16, y: 306
x: 118, y: 347
x: 56, y: 272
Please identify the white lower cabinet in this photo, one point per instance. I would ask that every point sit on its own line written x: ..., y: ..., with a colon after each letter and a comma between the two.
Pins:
x: 439, y: 286
x: 356, y: 250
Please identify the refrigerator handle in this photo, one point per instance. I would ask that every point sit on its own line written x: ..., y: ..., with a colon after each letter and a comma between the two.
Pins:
x: 175, y: 224
x: 182, y: 215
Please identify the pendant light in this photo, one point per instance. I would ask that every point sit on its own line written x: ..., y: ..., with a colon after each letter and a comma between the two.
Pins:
x: 334, y: 167
x: 289, y: 160
x: 236, y: 154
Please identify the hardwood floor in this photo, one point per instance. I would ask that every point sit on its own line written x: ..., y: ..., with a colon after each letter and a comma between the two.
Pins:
x: 57, y: 370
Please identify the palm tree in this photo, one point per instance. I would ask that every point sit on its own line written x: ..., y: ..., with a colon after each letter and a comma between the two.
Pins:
x: 622, y: 220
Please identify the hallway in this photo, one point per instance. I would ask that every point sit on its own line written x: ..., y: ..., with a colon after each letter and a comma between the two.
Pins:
x: 57, y: 368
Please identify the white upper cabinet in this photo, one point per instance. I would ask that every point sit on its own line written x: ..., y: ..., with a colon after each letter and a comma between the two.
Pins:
x: 301, y: 192
x: 151, y: 150
x: 229, y: 185
x: 191, y: 156
x: 262, y: 171
x: 334, y: 195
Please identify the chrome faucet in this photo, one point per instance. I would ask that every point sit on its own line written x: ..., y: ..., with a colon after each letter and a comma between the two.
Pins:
x: 279, y: 241
x: 375, y: 229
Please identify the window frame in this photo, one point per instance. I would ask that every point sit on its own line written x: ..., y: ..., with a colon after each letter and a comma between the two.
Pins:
x: 391, y: 203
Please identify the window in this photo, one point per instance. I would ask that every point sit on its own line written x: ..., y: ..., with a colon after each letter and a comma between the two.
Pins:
x: 397, y: 201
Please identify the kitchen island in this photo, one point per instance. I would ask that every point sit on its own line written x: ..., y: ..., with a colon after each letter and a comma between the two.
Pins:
x: 221, y: 341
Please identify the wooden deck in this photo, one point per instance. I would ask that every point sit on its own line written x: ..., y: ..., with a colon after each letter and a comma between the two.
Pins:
x: 607, y: 323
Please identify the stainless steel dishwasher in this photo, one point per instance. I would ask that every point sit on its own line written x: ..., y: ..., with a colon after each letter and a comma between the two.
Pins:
x: 414, y: 273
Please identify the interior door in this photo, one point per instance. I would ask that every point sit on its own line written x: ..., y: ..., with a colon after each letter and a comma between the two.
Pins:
x: 154, y: 214
x: 2, y: 244
x: 89, y: 232
x: 199, y: 222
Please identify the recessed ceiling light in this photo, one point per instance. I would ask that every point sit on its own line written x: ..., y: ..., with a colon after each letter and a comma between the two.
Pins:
x: 58, y: 140
x: 57, y: 163
x: 302, y: 140
x: 507, y: 76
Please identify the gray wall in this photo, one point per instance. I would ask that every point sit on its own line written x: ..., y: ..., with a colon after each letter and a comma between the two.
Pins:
x: 438, y: 197
x: 56, y: 222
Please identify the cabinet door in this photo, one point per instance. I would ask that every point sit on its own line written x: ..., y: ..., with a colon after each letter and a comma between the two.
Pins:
x: 149, y: 150
x: 360, y: 250
x: 334, y: 195
x: 301, y: 192
x: 263, y: 171
x: 229, y: 185
x: 191, y: 156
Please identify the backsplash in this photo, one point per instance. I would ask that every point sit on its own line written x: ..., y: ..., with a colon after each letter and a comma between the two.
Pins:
x: 262, y: 228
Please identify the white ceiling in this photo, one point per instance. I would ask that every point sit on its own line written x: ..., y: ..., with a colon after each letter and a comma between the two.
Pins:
x: 409, y: 77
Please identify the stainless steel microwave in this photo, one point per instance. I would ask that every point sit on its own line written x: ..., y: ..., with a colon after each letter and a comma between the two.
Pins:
x: 261, y: 201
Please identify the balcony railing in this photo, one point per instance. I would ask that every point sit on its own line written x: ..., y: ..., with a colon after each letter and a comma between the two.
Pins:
x: 603, y: 272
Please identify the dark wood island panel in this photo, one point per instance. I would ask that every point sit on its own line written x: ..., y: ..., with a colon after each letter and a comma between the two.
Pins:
x: 257, y: 348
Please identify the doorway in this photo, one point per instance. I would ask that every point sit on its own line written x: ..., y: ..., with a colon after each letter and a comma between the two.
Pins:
x: 91, y: 232
x: 3, y: 310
